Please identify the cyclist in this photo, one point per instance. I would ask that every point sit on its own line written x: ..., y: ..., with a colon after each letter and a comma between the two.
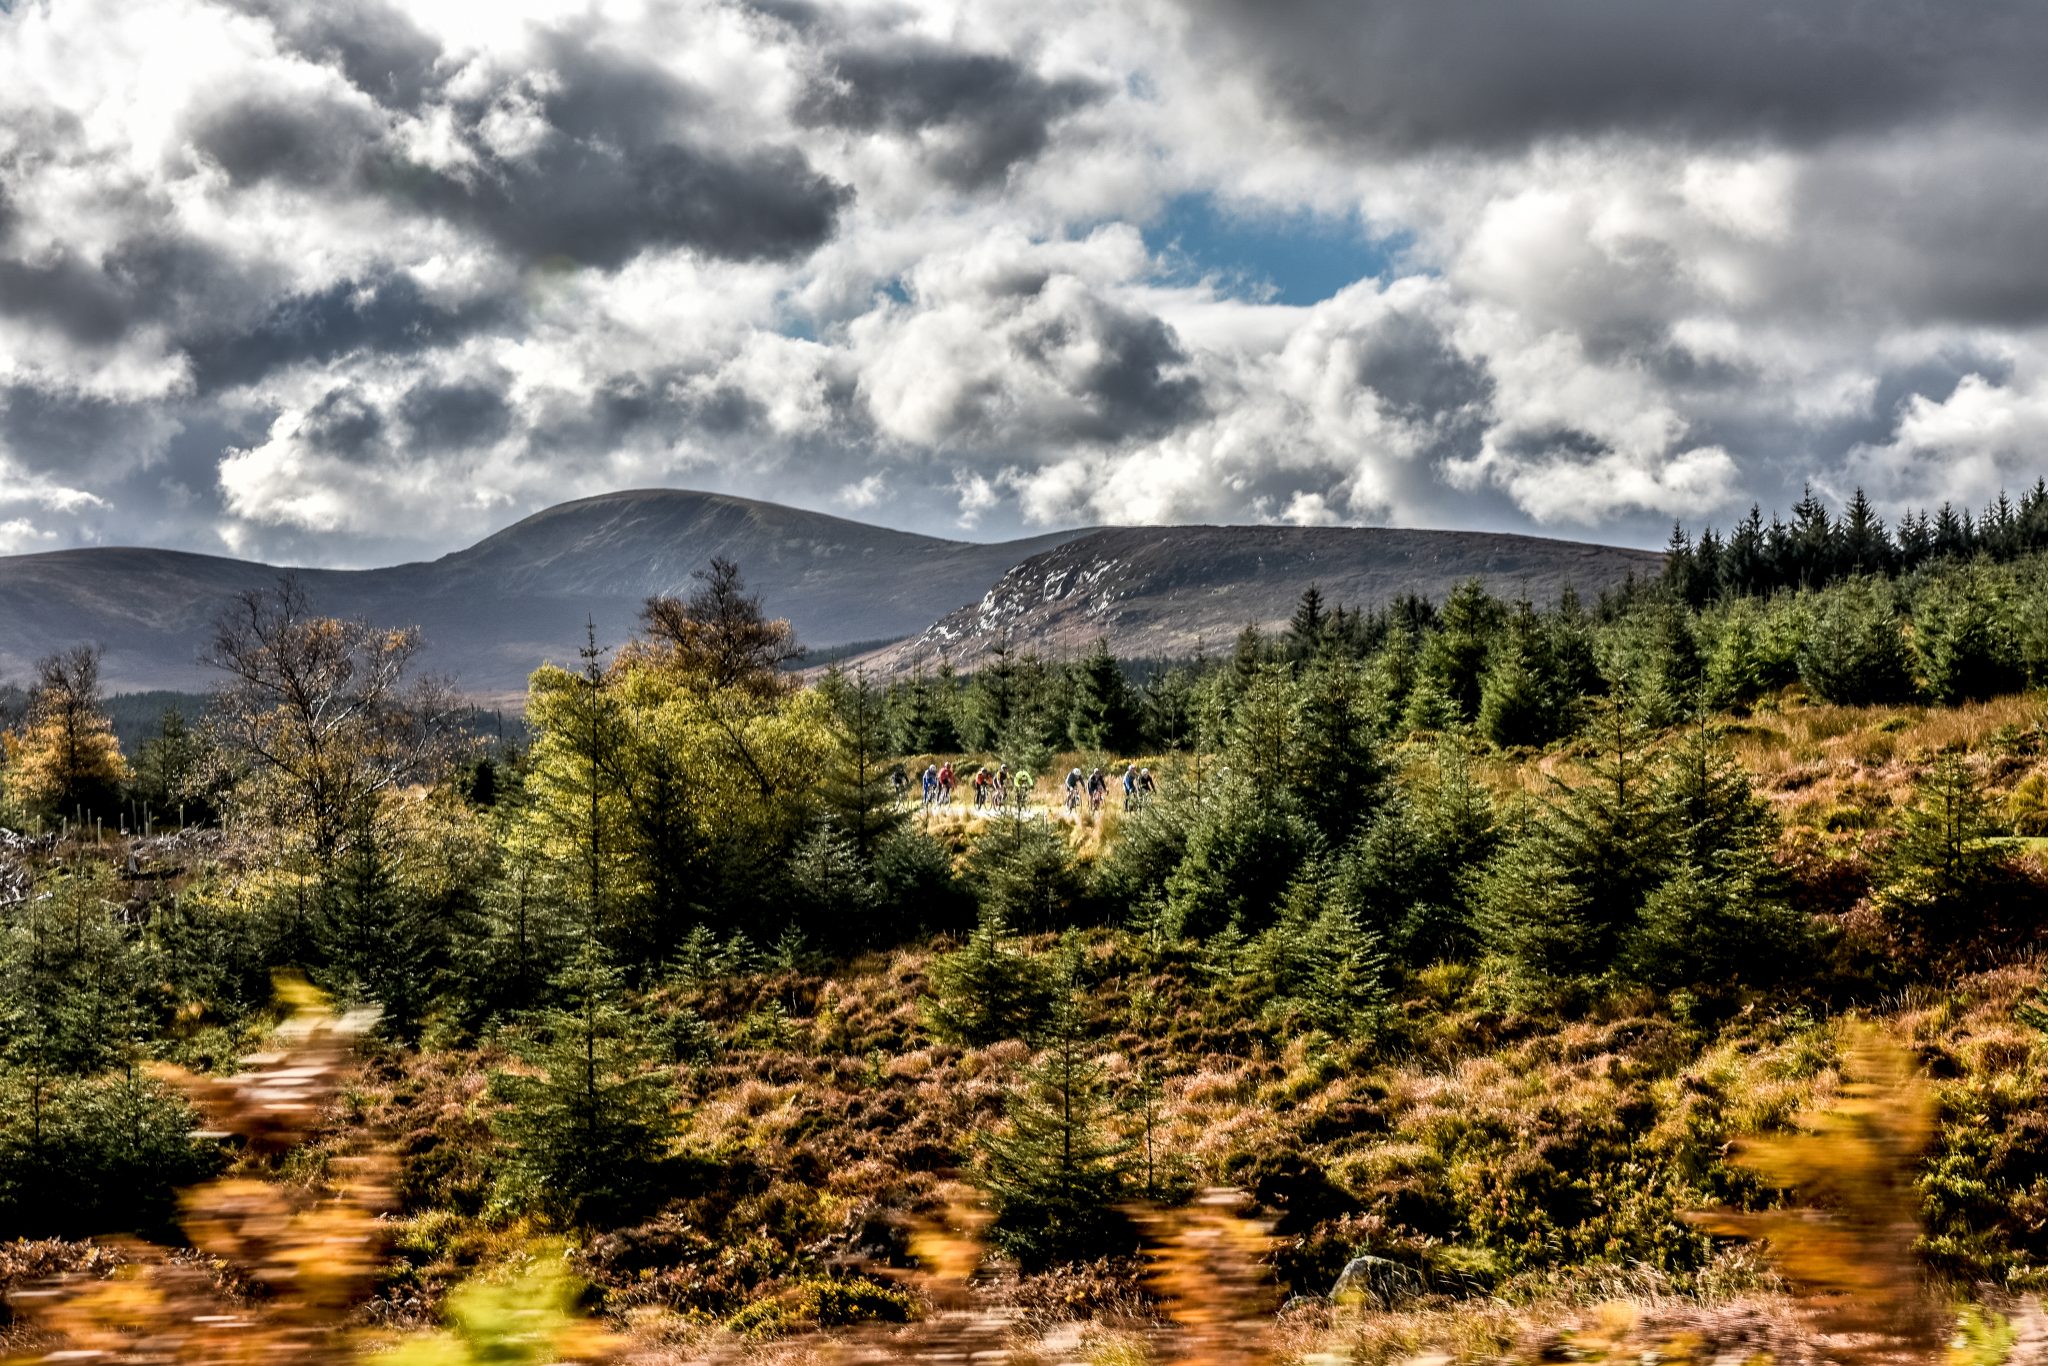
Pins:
x: 1130, y: 786
x: 1002, y: 786
x: 1098, y: 788
x: 931, y: 785
x: 899, y: 783
x: 1147, y: 785
x: 980, y: 783
x: 946, y: 783
x: 1021, y: 789
x: 1074, y: 782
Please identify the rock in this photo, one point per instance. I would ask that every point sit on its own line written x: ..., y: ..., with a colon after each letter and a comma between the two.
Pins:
x: 1375, y: 1283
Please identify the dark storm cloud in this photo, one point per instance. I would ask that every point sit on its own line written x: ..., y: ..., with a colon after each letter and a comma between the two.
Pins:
x: 599, y: 206
x: 381, y: 51
x: 618, y: 175
x: 1416, y: 372
x: 995, y: 111
x: 1961, y: 231
x: 621, y: 170
x: 343, y: 423
x: 71, y: 295
x: 385, y: 317
x: 65, y: 432
x: 1506, y: 73
x: 660, y: 406
x: 452, y: 416
x: 1130, y: 389
x: 264, y: 137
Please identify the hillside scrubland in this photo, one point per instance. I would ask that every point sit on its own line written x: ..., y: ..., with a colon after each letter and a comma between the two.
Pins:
x: 1654, y: 978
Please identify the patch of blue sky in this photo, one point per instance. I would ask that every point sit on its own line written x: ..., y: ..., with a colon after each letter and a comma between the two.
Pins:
x: 1286, y: 258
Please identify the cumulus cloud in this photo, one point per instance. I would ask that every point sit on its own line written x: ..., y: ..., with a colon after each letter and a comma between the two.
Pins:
x: 345, y: 279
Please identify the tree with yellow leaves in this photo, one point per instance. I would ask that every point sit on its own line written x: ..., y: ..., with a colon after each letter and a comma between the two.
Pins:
x: 671, y: 778
x: 64, y: 762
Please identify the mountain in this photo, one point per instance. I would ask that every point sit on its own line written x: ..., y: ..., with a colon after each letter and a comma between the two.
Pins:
x: 1165, y: 592
x: 491, y: 612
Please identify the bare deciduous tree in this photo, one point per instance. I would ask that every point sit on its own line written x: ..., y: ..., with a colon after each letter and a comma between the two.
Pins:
x: 320, y: 716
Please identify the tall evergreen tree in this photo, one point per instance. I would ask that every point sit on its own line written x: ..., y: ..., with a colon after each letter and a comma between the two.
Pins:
x: 1563, y: 895
x: 1455, y: 656
x: 1522, y: 699
x: 1057, y: 1169
x: 1104, y: 715
x: 857, y: 792
x: 1942, y: 876
x: 1852, y: 650
x: 588, y: 1115
x: 1866, y: 546
x: 1964, y: 639
x: 1307, y: 628
x: 1335, y: 760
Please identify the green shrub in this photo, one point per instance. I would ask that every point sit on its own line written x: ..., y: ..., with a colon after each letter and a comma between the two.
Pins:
x: 826, y: 1302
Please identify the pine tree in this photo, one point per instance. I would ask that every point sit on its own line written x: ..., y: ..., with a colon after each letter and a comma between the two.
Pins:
x: 1708, y: 557
x: 1852, y: 651
x: 988, y: 990
x: 1942, y: 876
x: 1166, y: 710
x: 1722, y: 916
x: 1677, y: 668
x: 575, y: 780
x: 1328, y: 968
x: 1335, y: 758
x: 1104, y: 714
x: 1056, y: 1170
x: 168, y: 771
x: 1812, y: 542
x: 1522, y: 700
x: 382, y: 944
x: 1263, y: 743
x: 1745, y: 568
x: 1681, y: 570
x: 1026, y: 874
x: 1243, y: 845
x: 587, y: 1116
x: 1306, y: 629
x: 1572, y: 884
x: 1865, y: 545
x: 992, y: 696
x: 1964, y: 640
x: 920, y: 717
x: 1739, y: 667
x: 1455, y: 657
x: 1952, y: 537
x: 856, y: 791
x: 527, y: 920
x: 838, y: 898
x: 1410, y: 878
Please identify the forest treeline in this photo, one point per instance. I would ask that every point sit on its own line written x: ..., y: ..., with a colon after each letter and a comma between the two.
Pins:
x: 1330, y: 833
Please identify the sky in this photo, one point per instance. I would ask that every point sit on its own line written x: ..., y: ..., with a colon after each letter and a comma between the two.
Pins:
x: 344, y: 282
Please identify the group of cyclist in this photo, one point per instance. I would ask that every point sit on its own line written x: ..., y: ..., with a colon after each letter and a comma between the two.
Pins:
x: 1000, y: 788
x: 992, y: 788
x: 1138, y: 785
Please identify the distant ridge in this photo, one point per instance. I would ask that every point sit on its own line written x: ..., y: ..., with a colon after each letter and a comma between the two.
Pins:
x: 494, y: 611
x: 1165, y: 592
